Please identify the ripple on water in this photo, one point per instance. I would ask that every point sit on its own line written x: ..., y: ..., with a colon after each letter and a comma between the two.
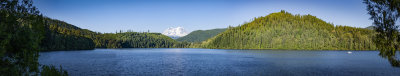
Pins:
x: 205, y: 62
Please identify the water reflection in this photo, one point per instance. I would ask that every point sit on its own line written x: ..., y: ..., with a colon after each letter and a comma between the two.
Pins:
x: 218, y: 62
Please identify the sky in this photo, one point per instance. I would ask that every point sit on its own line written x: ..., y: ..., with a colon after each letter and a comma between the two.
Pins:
x: 108, y: 16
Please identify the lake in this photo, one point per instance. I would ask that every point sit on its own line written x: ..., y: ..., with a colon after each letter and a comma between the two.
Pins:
x: 216, y: 62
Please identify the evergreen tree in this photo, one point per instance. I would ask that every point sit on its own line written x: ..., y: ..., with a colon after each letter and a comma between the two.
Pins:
x: 385, y: 13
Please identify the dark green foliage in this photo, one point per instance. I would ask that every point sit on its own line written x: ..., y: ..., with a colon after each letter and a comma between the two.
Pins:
x: 385, y: 13
x: 20, y: 35
x: 21, y: 31
x: 63, y: 36
x: 283, y: 30
x: 200, y: 35
x: 136, y: 40
x: 52, y: 71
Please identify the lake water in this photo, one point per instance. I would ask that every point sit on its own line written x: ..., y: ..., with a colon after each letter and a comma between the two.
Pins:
x: 217, y: 62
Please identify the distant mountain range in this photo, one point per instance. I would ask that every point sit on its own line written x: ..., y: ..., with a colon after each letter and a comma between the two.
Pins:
x: 200, y: 35
x: 175, y: 33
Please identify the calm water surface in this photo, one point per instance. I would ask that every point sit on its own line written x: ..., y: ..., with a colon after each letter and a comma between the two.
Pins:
x: 211, y: 62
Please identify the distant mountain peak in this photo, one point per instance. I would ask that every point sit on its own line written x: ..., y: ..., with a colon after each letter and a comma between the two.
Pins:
x: 175, y: 32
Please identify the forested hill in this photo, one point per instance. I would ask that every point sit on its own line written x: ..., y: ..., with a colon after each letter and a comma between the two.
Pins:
x: 200, y: 35
x: 282, y: 30
x: 60, y: 35
x: 136, y: 40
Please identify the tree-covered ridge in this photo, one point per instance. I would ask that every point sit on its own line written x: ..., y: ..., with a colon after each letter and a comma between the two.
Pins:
x: 63, y: 36
x: 201, y: 35
x: 283, y: 30
x: 60, y: 35
x: 136, y: 40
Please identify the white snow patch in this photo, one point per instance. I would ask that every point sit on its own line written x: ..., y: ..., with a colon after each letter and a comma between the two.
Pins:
x: 175, y: 32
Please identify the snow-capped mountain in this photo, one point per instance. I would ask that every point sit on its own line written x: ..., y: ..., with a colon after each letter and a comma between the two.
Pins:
x: 175, y: 32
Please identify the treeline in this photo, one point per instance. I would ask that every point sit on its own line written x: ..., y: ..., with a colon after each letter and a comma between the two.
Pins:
x: 63, y: 36
x: 283, y: 30
x: 137, y: 40
x: 60, y: 35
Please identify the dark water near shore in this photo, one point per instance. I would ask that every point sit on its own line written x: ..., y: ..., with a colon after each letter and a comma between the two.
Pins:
x: 211, y: 62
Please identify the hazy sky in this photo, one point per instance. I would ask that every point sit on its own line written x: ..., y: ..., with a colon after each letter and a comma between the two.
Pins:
x: 158, y: 15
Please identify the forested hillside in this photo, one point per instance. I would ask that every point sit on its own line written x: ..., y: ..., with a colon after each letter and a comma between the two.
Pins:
x: 282, y: 30
x: 136, y: 40
x: 60, y: 35
x: 200, y: 35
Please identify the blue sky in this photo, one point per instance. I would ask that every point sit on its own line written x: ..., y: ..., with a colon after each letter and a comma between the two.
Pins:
x: 158, y: 15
